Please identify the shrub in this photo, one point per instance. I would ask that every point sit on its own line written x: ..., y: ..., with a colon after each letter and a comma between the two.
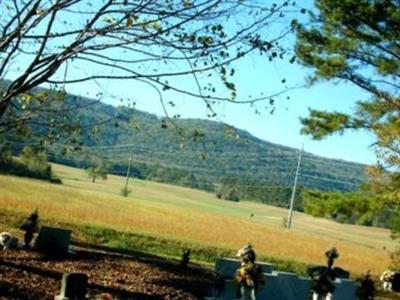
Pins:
x: 32, y: 164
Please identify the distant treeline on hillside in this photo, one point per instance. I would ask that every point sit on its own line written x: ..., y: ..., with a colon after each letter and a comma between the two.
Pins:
x: 196, y: 153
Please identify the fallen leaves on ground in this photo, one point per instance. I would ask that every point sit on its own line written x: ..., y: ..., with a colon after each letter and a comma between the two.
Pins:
x: 30, y: 275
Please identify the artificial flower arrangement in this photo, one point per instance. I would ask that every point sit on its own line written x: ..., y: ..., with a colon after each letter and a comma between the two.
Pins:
x: 249, y: 274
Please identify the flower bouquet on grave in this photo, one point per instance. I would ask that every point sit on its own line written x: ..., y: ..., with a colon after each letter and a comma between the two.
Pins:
x: 249, y: 275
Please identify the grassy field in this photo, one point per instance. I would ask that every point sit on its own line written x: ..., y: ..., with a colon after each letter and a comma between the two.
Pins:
x: 190, y: 217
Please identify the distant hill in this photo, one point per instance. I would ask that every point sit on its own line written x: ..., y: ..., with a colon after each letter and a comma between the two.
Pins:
x: 198, y: 153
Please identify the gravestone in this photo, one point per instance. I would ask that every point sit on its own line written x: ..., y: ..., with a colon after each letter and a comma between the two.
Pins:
x: 280, y: 285
x: 337, y: 271
x: 293, y: 286
x: 341, y: 273
x: 52, y: 240
x: 13, y: 243
x: 229, y: 292
x: 345, y: 289
x: 226, y: 267
x: 270, y: 289
x: 73, y: 287
x: 284, y: 286
x: 396, y: 282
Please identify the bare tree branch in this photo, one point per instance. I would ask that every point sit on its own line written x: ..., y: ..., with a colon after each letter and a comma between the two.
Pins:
x: 147, y: 40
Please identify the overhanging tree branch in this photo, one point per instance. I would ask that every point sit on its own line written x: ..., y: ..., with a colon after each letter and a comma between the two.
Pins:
x: 170, y: 39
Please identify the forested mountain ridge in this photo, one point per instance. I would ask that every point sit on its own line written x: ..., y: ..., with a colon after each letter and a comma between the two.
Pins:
x: 198, y: 153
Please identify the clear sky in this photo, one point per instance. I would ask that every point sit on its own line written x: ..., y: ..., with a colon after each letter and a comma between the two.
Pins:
x: 256, y: 76
x: 281, y: 127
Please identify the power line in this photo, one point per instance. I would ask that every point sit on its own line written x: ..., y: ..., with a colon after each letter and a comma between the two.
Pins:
x: 198, y: 181
x: 335, y: 162
x: 286, y: 170
x: 221, y: 157
x: 258, y: 156
x: 330, y: 179
x: 205, y: 171
x: 229, y: 174
x: 218, y: 155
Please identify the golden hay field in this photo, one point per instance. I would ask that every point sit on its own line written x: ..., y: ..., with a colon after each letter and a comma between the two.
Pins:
x: 191, y: 215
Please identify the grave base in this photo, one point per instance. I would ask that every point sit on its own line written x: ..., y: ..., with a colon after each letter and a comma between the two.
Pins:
x: 60, y: 297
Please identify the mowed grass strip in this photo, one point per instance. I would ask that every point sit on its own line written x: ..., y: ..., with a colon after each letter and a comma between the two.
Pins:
x: 191, y: 216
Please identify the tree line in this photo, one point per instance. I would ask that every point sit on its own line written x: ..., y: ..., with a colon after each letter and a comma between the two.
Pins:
x: 30, y: 163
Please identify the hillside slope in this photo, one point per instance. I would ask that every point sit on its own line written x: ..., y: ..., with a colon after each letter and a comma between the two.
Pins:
x: 189, y: 152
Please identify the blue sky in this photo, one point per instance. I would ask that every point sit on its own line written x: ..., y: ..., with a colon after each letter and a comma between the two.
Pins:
x: 255, y: 76
x: 282, y: 127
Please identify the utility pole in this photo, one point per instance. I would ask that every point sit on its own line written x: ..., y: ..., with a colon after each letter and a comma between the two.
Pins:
x: 128, y: 173
x: 289, y: 220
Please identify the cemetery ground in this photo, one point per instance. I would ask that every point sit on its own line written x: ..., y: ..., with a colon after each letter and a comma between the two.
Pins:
x: 162, y: 220
x: 28, y: 275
